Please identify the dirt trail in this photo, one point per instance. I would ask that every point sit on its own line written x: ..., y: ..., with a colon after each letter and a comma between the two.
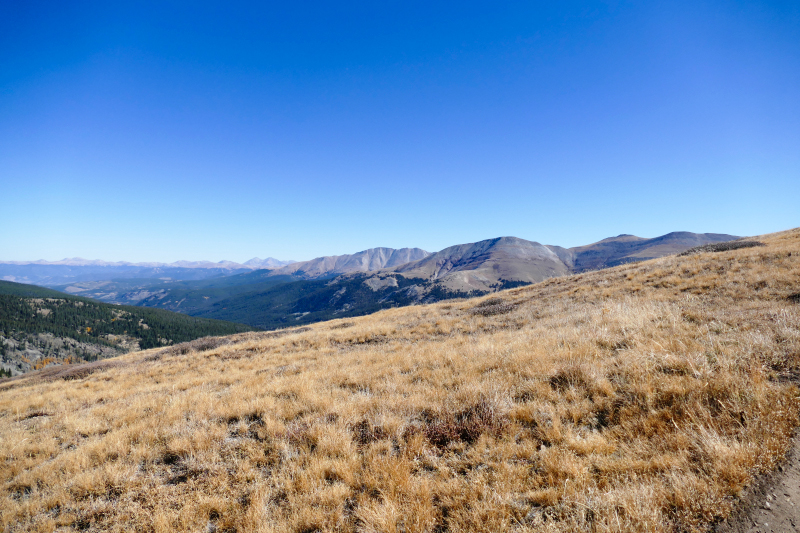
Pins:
x: 772, y: 505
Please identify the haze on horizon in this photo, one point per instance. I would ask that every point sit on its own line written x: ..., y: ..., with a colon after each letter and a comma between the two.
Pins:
x: 185, y: 131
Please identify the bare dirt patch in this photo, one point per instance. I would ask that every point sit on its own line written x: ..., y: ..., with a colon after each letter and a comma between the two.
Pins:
x: 772, y: 503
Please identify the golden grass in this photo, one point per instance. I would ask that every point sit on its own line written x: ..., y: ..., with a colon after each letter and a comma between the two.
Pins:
x: 641, y: 398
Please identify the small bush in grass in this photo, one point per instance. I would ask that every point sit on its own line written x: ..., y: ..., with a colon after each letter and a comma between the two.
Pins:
x: 465, y: 426
x: 365, y: 433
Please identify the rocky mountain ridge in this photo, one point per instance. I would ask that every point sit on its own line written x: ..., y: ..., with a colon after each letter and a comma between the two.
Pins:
x: 460, y: 271
x: 624, y: 248
x: 486, y: 265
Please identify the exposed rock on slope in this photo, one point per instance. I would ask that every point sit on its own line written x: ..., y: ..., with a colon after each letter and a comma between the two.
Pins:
x: 481, y: 265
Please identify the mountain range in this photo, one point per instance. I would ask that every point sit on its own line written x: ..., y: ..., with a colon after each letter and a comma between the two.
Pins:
x: 270, y: 293
x: 280, y: 294
x: 482, y: 265
x: 269, y: 262
x: 365, y: 282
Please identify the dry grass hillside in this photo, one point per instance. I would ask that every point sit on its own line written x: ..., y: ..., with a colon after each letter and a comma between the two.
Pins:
x: 641, y: 398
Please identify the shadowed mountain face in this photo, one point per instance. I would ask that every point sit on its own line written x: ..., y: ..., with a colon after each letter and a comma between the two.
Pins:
x: 365, y: 261
x: 493, y: 263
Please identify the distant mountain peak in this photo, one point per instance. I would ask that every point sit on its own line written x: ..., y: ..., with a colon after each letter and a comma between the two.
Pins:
x: 368, y: 260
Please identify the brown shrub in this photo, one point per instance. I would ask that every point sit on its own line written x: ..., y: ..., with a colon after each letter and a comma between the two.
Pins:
x: 570, y: 376
x: 365, y: 433
x: 467, y: 426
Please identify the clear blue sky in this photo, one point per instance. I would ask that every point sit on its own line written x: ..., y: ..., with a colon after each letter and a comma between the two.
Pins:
x: 199, y: 130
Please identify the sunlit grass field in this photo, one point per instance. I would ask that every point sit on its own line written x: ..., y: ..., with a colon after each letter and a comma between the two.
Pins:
x: 640, y: 398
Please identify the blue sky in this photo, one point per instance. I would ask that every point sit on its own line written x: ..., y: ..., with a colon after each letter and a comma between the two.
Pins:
x: 169, y: 130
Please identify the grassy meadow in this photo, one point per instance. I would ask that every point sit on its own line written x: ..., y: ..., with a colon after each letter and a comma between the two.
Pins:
x: 639, y: 398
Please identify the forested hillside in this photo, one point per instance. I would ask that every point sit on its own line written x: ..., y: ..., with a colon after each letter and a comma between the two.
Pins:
x: 41, y: 326
x: 306, y: 302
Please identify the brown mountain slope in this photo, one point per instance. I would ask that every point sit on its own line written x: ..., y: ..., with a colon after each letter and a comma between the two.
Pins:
x: 639, y: 398
x: 479, y: 265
